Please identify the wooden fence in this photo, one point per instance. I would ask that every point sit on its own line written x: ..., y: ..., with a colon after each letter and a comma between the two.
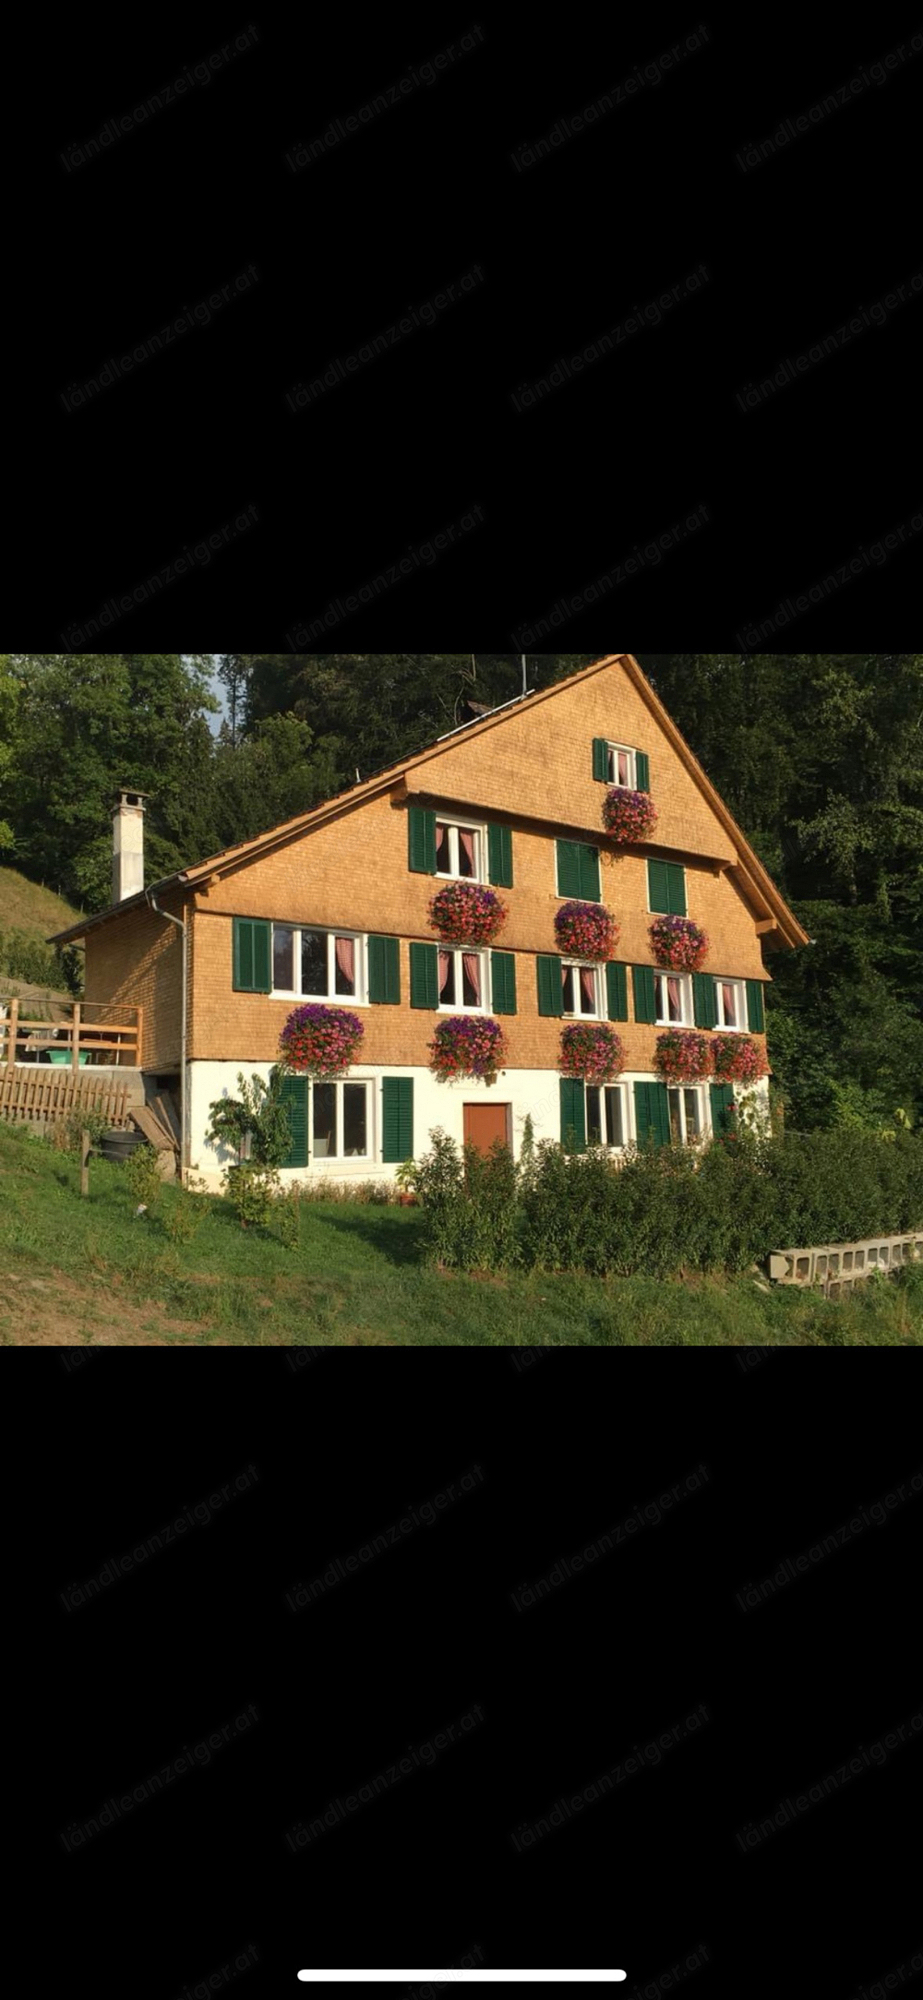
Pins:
x: 43, y: 1093
x: 85, y: 1034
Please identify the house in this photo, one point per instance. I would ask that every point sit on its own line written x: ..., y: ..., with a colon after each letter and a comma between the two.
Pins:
x: 334, y: 906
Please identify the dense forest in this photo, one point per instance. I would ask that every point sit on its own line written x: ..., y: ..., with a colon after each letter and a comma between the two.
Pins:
x: 820, y: 758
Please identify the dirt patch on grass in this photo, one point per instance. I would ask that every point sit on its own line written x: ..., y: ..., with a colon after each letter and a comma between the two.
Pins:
x: 55, y: 1311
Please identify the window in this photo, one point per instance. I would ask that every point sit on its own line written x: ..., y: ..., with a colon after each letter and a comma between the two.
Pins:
x: 341, y: 1121
x: 606, y: 1120
x: 318, y: 965
x: 578, y: 870
x: 463, y: 980
x: 672, y: 1003
x: 579, y: 989
x: 666, y: 888
x: 687, y: 1115
x: 622, y: 766
x: 731, y: 1003
x: 459, y: 851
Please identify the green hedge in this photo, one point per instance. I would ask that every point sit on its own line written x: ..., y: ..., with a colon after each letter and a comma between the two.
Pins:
x: 667, y: 1210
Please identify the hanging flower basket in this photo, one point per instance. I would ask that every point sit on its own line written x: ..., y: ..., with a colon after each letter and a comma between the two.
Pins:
x: 679, y: 944
x: 464, y: 913
x: 683, y: 1057
x: 738, y: 1059
x: 595, y: 1053
x: 467, y: 1045
x: 628, y: 816
x: 320, y: 1041
x: 586, y: 930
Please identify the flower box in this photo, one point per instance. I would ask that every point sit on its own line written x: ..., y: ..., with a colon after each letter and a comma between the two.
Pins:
x: 593, y: 1052
x: 467, y: 1045
x: 586, y: 930
x: 320, y: 1041
x: 628, y: 816
x: 738, y: 1059
x: 679, y: 944
x: 683, y: 1057
x: 465, y: 913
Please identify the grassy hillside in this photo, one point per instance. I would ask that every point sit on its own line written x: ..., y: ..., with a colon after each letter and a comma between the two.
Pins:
x: 90, y: 1273
x: 27, y: 907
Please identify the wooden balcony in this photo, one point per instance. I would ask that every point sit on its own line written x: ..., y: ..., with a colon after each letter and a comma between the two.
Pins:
x: 85, y: 1034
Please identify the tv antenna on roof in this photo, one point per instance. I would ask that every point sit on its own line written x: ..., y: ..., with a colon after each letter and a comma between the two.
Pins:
x: 524, y: 675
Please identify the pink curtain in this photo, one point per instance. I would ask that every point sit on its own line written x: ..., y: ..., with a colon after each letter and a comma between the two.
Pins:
x: 472, y: 965
x: 346, y: 958
x: 467, y: 844
x: 674, y: 1003
x: 443, y: 970
x: 730, y: 1007
x: 623, y: 767
x: 588, y: 983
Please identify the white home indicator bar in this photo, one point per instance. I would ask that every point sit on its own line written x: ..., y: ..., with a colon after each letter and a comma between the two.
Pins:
x: 443, y: 1977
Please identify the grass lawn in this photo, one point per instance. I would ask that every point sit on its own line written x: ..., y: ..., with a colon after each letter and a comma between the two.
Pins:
x: 77, y: 1272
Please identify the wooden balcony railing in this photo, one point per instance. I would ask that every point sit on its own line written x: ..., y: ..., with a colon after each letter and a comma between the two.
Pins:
x: 87, y: 1033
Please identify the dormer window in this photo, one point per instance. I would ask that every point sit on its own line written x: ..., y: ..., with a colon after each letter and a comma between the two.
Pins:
x: 459, y: 851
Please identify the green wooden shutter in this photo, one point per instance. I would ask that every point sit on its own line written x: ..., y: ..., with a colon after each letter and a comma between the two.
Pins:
x: 658, y: 893
x: 601, y: 759
x: 617, y: 991
x: 421, y: 835
x: 295, y: 1100
x: 573, y: 1113
x: 424, y: 975
x: 642, y: 979
x: 676, y: 887
x: 550, y: 986
x: 500, y: 856
x: 722, y: 1101
x: 385, y: 970
x: 503, y: 982
x: 589, y: 874
x: 397, y: 1118
x: 705, y: 1000
x: 652, y: 1113
x: 756, y: 1017
x: 643, y: 768
x: 568, y: 868
x: 252, y: 955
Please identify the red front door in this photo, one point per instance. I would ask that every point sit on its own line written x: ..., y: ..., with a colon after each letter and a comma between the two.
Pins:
x: 485, y: 1123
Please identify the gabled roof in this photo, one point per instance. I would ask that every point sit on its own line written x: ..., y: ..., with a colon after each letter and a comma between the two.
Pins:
x: 755, y: 881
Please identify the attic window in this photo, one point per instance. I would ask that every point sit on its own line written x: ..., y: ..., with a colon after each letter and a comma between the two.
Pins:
x: 622, y: 766
x: 459, y: 851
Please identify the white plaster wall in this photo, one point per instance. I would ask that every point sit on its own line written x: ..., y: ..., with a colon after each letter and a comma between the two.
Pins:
x: 529, y: 1092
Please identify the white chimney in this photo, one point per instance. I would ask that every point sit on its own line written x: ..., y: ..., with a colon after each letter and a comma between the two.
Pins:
x: 128, y: 845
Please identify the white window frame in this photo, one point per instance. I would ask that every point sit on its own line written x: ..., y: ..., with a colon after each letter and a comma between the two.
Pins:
x: 687, y: 1017
x: 461, y: 1006
x: 331, y: 997
x: 341, y: 1159
x: 453, y: 874
x: 679, y: 1090
x: 738, y: 1027
x: 625, y: 1099
x: 584, y: 965
x: 613, y: 751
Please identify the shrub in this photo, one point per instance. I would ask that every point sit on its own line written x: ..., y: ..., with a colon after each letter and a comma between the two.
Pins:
x: 669, y: 1209
x: 586, y: 930
x: 320, y: 1041
x: 628, y: 816
x: 253, y: 1192
x: 142, y: 1175
x: 465, y: 913
x: 678, y: 943
x: 591, y: 1051
x: 258, y: 1114
x: 467, y: 1045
